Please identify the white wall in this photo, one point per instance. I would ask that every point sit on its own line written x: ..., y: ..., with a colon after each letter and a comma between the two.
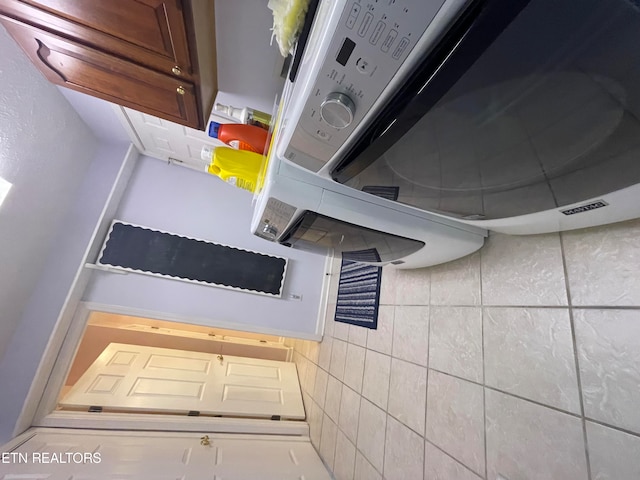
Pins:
x: 45, y: 150
x: 196, y: 204
x: 98, y: 115
x: 40, y: 314
x: 248, y: 67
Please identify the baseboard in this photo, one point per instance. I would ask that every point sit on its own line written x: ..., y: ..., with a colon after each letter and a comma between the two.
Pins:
x: 324, y: 296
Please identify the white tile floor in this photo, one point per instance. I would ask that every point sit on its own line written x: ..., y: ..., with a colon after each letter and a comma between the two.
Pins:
x: 521, y: 360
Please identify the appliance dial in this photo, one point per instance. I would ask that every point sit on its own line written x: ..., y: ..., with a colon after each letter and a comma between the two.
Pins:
x: 337, y: 110
x: 269, y: 230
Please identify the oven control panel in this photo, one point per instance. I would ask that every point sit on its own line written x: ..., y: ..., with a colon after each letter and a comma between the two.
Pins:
x: 365, y: 44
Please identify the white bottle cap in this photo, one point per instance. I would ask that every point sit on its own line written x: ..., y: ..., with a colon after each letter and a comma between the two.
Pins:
x: 206, y: 153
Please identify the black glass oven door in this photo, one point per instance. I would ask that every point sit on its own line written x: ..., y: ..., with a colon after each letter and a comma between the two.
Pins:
x: 321, y: 234
x: 524, y: 106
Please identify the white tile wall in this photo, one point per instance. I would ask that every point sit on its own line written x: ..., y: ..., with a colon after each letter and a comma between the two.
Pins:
x: 381, y: 339
x: 403, y: 453
x: 328, y: 441
x: 371, y: 433
x: 349, y: 413
x: 364, y: 470
x: 314, y: 418
x: 338, y: 358
x: 375, y: 383
x: 345, y: 458
x: 407, y: 394
x: 523, y: 270
x: 333, y: 398
x: 456, y: 341
x: 529, y: 352
x: 613, y: 454
x: 415, y: 287
x: 525, y: 440
x: 455, y: 418
x: 411, y: 334
x: 521, y: 360
x: 602, y: 265
x: 354, y: 367
x: 440, y: 466
x: 358, y: 335
x: 457, y: 283
x: 609, y: 355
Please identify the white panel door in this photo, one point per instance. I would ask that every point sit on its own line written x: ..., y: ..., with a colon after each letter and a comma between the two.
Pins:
x: 163, y: 139
x: 99, y: 455
x: 149, y: 379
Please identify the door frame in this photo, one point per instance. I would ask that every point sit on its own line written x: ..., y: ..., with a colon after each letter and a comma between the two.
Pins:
x: 47, y: 416
x: 39, y: 404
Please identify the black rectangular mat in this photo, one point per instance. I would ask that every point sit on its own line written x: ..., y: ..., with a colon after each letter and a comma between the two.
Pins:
x: 358, y: 294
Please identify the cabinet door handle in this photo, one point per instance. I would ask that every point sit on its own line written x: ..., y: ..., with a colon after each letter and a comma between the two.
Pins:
x: 181, y: 90
x: 176, y: 70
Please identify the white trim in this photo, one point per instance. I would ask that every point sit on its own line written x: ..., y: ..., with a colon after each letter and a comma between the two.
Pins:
x: 62, y: 364
x: 18, y: 441
x: 45, y: 368
x: 103, y: 268
x: 127, y: 125
x: 206, y: 321
x: 324, y: 295
x: 173, y: 423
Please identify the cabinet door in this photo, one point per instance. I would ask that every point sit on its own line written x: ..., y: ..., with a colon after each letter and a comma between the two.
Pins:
x: 149, y: 32
x: 119, y: 81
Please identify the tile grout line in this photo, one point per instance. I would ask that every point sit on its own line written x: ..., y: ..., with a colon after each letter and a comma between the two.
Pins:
x: 386, y: 410
x: 362, y: 396
x: 484, y: 378
x: 592, y: 420
x: 575, y: 354
x: 613, y: 427
x: 575, y: 307
x: 458, y: 461
x: 426, y: 392
x: 504, y: 392
x: 335, y: 446
x: 324, y: 412
x: 364, y: 365
x: 360, y: 401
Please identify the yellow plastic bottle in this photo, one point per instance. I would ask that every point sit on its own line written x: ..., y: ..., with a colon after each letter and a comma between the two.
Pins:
x: 237, y: 167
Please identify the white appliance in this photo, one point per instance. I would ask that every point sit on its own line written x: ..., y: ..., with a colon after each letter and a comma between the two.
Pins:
x: 519, y: 116
x: 300, y: 209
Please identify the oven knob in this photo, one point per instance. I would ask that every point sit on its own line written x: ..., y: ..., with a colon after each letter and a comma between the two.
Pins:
x: 337, y: 110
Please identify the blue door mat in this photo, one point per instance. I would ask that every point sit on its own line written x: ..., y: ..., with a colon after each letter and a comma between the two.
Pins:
x: 358, y: 294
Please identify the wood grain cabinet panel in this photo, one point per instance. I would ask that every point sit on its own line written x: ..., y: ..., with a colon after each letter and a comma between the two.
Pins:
x: 155, y: 56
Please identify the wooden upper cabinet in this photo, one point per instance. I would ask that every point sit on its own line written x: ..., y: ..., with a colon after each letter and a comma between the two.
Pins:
x: 154, y: 56
x: 95, y: 73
